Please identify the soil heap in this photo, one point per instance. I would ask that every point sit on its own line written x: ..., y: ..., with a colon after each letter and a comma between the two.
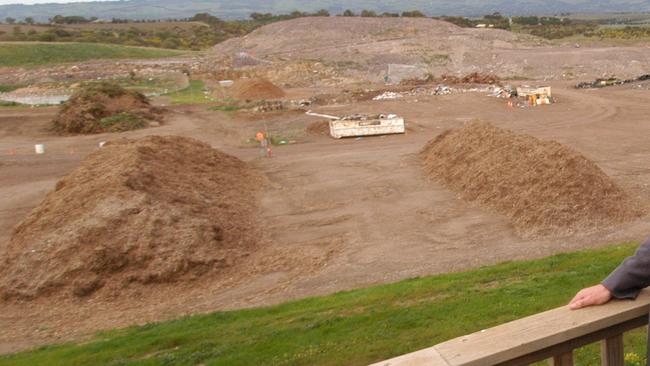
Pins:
x: 256, y: 89
x: 105, y: 107
x: 319, y: 128
x: 545, y: 188
x: 136, y: 212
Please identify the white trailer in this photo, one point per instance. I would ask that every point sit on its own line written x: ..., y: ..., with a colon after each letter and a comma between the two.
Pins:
x: 363, y: 124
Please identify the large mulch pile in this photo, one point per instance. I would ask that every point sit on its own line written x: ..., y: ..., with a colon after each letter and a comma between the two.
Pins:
x: 256, y: 89
x: 105, y: 107
x: 545, y: 188
x: 135, y: 213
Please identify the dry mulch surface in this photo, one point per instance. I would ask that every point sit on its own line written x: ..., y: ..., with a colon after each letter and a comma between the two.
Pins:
x: 545, y: 188
x: 136, y: 212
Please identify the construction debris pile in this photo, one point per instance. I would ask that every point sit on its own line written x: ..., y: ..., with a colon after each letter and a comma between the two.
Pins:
x: 428, y: 91
x: 135, y: 213
x: 105, y: 107
x: 605, y: 82
x: 524, y: 96
x: 543, y: 187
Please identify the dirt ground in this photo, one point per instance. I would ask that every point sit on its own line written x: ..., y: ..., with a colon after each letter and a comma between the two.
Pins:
x: 337, y: 214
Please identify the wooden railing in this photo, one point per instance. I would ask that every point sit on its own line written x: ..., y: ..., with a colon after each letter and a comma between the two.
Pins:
x: 551, y: 335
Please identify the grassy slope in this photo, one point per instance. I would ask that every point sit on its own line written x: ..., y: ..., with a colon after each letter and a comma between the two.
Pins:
x: 34, y: 54
x: 355, y: 327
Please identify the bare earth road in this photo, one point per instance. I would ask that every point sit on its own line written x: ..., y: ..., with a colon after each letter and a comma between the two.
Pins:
x: 336, y: 214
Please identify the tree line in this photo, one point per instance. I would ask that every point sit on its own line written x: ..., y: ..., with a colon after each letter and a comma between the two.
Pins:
x: 214, y: 29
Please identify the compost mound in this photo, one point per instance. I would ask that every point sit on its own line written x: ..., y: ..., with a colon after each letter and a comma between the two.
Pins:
x: 545, y: 188
x: 105, y: 107
x: 136, y: 213
x: 256, y: 89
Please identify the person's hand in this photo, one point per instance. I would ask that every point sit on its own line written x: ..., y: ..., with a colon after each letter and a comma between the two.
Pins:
x: 595, y: 295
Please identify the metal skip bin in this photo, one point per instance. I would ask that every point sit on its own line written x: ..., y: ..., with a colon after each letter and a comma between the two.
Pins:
x: 356, y: 125
x: 366, y: 125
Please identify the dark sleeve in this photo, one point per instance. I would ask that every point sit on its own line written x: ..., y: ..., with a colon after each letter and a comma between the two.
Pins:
x: 627, y: 280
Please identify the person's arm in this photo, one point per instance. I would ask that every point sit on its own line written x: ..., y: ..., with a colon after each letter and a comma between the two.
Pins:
x: 625, y: 282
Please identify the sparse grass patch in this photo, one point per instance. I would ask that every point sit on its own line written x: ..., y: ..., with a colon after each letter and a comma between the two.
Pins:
x: 435, y: 58
x: 195, y: 93
x: 225, y: 108
x: 227, y: 105
x: 354, y: 327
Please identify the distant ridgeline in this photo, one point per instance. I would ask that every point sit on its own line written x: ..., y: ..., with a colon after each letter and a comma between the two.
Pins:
x: 140, y: 27
x: 240, y: 9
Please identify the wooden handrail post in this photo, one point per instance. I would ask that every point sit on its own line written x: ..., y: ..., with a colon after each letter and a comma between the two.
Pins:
x: 565, y: 359
x: 611, y: 351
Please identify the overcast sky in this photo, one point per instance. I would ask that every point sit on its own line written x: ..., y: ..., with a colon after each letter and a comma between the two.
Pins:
x: 5, y: 2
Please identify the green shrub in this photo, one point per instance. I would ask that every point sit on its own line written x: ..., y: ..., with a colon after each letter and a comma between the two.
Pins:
x: 5, y: 88
x: 122, y: 122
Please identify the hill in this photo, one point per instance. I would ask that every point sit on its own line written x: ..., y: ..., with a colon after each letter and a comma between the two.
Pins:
x: 373, y: 43
x: 162, y: 9
x: 412, y: 47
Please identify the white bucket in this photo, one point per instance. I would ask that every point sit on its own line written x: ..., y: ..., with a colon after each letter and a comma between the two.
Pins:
x: 39, y: 148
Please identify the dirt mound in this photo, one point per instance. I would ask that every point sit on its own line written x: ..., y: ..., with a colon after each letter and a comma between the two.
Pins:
x: 256, y: 89
x: 545, y: 188
x: 319, y: 128
x: 105, y: 107
x: 136, y: 212
x: 365, y: 47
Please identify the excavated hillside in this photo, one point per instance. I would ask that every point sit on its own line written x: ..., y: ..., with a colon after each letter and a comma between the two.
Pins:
x: 368, y: 42
x: 364, y: 47
x: 135, y: 213
x: 545, y: 188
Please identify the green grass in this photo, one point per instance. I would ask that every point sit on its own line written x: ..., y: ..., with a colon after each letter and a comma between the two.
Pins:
x: 35, y: 54
x: 5, y: 88
x: 355, y: 327
x: 225, y: 108
x: 122, y: 122
x: 195, y: 93
x: 4, y: 103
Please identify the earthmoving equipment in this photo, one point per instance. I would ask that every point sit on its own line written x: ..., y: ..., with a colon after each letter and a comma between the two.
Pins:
x: 356, y: 125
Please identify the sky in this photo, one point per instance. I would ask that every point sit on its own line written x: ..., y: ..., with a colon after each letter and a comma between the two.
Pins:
x: 6, y: 2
